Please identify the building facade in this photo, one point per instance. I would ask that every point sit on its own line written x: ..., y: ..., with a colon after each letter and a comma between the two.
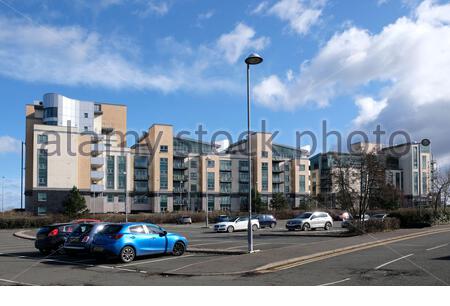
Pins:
x: 83, y: 144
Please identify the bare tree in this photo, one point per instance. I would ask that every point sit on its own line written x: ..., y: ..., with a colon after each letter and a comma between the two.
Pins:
x: 441, y: 189
x: 358, y: 179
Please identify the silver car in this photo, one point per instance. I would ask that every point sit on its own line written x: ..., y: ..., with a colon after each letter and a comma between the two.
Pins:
x: 310, y: 220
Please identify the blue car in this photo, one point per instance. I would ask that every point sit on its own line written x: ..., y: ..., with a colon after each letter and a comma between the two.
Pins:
x: 127, y: 241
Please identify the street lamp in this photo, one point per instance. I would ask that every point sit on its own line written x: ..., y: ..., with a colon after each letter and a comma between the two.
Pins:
x: 126, y: 197
x: 252, y: 59
x: 207, y: 200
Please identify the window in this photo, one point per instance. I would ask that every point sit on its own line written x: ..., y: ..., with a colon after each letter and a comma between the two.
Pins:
x: 416, y: 183
x: 302, y: 183
x: 398, y: 182
x: 225, y: 187
x: 86, y: 129
x: 243, y: 165
x: 225, y: 203
x: 225, y: 165
x: 164, y: 149
x: 42, y: 168
x: 194, y: 176
x: 42, y: 139
x: 243, y: 188
x: 302, y: 167
x: 265, y: 176
x: 141, y: 174
x: 153, y: 229
x: 424, y: 162
x: 163, y: 202
x: 194, y: 164
x: 415, y: 157
x: 110, y: 172
x: 86, y: 115
x: 41, y: 210
x: 141, y: 186
x: 264, y: 154
x: 210, y: 203
x: 141, y: 199
x: 193, y: 188
x: 42, y: 197
x: 122, y: 168
x: 110, y: 198
x: 51, y: 112
x: 163, y: 173
x: 211, y: 181
x: 139, y: 229
x: 121, y: 198
x: 211, y: 164
x: 424, y: 183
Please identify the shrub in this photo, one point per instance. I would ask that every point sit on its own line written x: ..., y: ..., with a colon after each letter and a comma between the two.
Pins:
x: 374, y: 226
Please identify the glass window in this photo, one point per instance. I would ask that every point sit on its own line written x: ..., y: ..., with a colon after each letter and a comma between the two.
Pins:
x: 193, y: 188
x: 121, y: 198
x: 163, y: 202
x: 141, y: 199
x: 264, y: 154
x: 225, y: 203
x: 302, y: 183
x: 86, y: 129
x: 42, y: 139
x: 41, y: 210
x: 122, y: 168
x: 265, y: 176
x: 110, y: 198
x: 42, y: 168
x: 424, y: 183
x: 194, y: 176
x: 211, y: 181
x: 424, y: 161
x: 210, y: 203
x: 163, y: 173
x: 86, y: 115
x: 110, y: 170
x: 211, y: 164
x: 138, y: 229
x: 225, y: 165
x: 415, y: 157
x: 243, y: 165
x: 42, y: 197
x: 194, y: 164
x: 164, y: 149
x: 416, y: 183
x: 51, y: 112
x: 302, y: 167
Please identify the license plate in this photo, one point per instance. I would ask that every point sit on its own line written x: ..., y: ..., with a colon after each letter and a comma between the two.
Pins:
x: 98, y: 249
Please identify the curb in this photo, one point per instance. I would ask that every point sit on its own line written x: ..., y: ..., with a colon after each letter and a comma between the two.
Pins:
x: 290, y: 263
x: 216, y: 251
x: 303, y: 234
x: 22, y: 235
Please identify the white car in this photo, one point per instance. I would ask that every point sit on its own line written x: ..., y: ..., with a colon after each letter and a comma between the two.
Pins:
x: 310, y: 220
x: 236, y: 224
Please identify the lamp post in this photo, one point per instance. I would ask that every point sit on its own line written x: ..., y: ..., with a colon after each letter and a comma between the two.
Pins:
x: 207, y: 200
x: 126, y: 197
x: 252, y: 59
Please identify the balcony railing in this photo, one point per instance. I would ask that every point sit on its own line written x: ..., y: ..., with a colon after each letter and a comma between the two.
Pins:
x: 225, y: 190
x: 97, y: 162
x: 140, y: 177
x: 178, y: 177
x: 277, y: 169
x: 97, y: 175
x: 225, y: 168
x: 141, y: 164
x: 180, y: 166
x: 243, y: 169
x: 140, y: 188
x: 97, y: 188
x: 225, y: 178
x: 179, y: 190
x: 276, y: 180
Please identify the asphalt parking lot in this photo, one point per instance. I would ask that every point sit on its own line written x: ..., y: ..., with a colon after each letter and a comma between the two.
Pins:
x: 21, y: 264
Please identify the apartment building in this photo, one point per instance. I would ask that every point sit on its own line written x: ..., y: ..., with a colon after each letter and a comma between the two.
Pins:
x: 75, y: 143
x: 408, y: 167
x: 83, y: 144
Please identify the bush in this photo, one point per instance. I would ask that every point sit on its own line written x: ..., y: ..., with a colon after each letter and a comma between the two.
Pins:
x: 375, y: 226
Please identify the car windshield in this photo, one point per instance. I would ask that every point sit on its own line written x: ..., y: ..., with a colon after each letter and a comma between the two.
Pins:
x: 233, y: 219
x: 111, y: 229
x: 304, y: 216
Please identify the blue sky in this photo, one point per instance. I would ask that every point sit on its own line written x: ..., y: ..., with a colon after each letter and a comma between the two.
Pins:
x: 181, y: 62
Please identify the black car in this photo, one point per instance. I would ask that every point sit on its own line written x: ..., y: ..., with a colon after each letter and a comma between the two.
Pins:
x: 52, y: 237
x: 79, y: 241
x: 266, y: 221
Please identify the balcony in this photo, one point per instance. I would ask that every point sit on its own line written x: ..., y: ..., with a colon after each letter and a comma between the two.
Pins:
x: 225, y: 190
x: 180, y: 166
x: 276, y: 180
x: 178, y: 177
x: 97, y: 175
x: 140, y: 177
x: 97, y: 162
x: 141, y: 189
x: 225, y: 167
x: 97, y: 149
x: 179, y: 190
x: 277, y: 169
x: 225, y: 178
x: 141, y: 163
x: 243, y: 169
x: 178, y: 201
x: 97, y: 188
x: 243, y: 179
x: 98, y: 109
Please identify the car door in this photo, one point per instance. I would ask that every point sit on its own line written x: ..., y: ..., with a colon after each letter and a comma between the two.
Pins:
x: 315, y: 220
x: 138, y: 237
x: 242, y: 223
x: 156, y: 240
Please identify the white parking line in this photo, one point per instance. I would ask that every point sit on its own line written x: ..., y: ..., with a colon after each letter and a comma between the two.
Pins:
x: 336, y: 282
x: 137, y: 263
x: 392, y: 261
x: 17, y: 283
x: 437, y: 247
x: 195, y: 245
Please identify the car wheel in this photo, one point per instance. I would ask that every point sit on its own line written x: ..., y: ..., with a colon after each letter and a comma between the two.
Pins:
x: 178, y: 249
x: 230, y: 229
x: 127, y: 254
x: 306, y: 227
x: 272, y: 225
x: 254, y: 227
x: 328, y: 226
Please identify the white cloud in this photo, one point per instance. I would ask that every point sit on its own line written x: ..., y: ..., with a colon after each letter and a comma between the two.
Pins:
x: 260, y: 8
x: 9, y: 145
x: 157, y: 7
x: 369, y: 110
x: 300, y: 14
x: 241, y: 39
x: 407, y: 63
x: 73, y: 56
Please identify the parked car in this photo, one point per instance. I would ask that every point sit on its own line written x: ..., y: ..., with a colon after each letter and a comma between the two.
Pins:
x: 344, y: 216
x: 130, y: 240
x: 379, y: 216
x: 347, y: 222
x: 52, y: 237
x: 236, y: 224
x: 310, y: 220
x: 363, y: 218
x: 266, y: 221
x: 184, y: 220
x: 80, y: 240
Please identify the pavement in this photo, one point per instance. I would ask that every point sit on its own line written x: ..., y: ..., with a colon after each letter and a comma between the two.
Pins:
x: 420, y: 257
